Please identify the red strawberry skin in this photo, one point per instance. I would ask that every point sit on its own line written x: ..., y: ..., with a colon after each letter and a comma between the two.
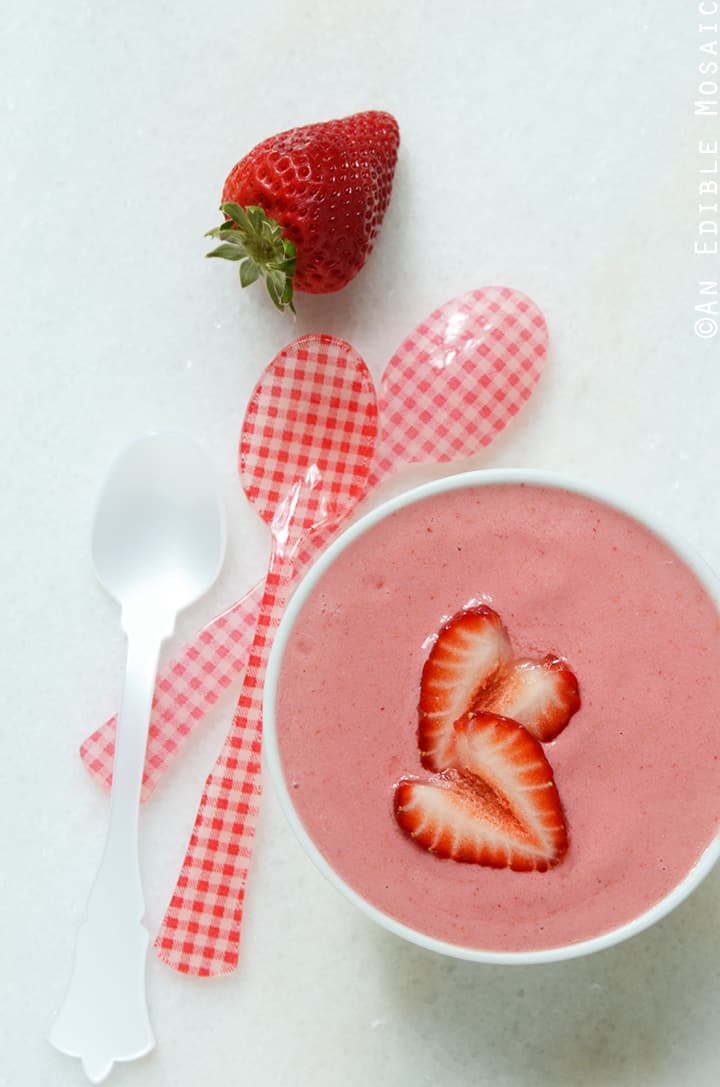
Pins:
x: 328, y: 185
x: 470, y: 654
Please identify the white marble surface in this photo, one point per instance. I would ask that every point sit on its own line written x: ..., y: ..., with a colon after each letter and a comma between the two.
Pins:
x: 551, y: 147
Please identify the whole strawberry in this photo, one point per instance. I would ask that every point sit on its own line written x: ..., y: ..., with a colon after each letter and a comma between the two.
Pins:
x: 304, y: 207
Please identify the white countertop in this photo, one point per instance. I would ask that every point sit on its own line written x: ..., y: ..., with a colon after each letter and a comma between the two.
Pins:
x: 549, y: 147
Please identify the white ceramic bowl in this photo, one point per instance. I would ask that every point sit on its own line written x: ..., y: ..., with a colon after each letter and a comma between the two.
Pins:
x: 473, y: 479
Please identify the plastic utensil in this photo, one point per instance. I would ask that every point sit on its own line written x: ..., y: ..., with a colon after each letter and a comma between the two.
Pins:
x: 449, y: 390
x: 158, y: 544
x: 308, y: 441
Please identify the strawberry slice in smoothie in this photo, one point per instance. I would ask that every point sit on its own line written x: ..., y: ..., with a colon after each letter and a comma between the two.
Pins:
x: 499, y: 808
x: 470, y: 653
x: 542, y: 695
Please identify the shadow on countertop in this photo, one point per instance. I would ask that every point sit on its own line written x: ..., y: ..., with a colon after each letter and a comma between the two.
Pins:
x: 636, y: 1013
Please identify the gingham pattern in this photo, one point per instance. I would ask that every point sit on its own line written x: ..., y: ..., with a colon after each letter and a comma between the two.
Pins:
x: 186, y: 689
x: 460, y: 377
x: 308, y: 442
x: 450, y: 388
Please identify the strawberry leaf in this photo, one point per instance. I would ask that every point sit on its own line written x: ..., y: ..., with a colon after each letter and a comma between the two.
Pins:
x: 250, y: 236
x: 228, y: 252
x: 287, y: 296
x: 249, y: 272
x: 236, y: 214
x: 257, y: 217
x: 275, y: 295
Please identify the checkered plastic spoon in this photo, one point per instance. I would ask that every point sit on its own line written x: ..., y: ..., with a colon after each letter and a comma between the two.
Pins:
x: 450, y: 388
x: 307, y: 444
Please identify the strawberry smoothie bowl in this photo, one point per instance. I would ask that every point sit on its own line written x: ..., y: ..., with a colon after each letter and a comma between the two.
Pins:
x: 491, y: 715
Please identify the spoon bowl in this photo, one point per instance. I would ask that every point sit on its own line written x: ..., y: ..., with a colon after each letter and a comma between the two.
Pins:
x: 159, y: 531
x: 459, y: 378
x: 308, y: 437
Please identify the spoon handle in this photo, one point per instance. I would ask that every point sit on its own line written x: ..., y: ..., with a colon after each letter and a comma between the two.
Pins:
x: 192, y: 682
x: 187, y: 688
x: 200, y: 933
x: 104, y: 1017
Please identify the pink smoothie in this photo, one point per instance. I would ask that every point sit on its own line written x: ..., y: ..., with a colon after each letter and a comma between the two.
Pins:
x: 637, y: 769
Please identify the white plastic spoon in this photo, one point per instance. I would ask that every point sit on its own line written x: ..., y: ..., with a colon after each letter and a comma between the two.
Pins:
x: 158, y: 544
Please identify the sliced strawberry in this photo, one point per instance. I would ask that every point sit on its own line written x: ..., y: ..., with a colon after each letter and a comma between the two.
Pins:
x: 469, y: 654
x: 542, y: 695
x: 502, y: 809
x: 512, y: 763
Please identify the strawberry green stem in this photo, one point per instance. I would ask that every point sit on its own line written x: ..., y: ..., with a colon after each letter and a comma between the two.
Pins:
x: 248, y: 235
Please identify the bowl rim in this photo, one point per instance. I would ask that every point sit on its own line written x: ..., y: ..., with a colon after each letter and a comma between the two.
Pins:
x: 463, y: 480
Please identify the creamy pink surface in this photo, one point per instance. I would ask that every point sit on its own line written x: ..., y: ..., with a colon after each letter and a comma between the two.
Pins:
x: 638, y: 768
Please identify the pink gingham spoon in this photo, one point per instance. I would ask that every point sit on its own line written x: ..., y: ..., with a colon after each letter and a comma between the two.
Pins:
x: 453, y: 384
x: 308, y: 441
x: 450, y: 388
